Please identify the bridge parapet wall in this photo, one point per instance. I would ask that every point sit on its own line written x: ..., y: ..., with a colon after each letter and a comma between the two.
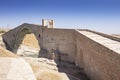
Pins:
x: 102, y: 34
x: 98, y: 61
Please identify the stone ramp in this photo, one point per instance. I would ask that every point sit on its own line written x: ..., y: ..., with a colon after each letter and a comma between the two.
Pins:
x: 109, y: 43
x: 15, y: 69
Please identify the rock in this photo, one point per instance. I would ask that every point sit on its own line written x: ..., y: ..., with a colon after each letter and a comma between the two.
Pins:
x: 41, y: 63
x: 15, y: 69
x: 27, y: 51
x: 50, y: 75
x: 46, y: 69
x: 2, y: 44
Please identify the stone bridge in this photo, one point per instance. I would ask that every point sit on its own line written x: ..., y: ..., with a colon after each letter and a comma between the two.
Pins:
x: 97, y: 53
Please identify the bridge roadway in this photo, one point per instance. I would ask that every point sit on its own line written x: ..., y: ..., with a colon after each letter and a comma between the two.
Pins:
x: 107, y: 42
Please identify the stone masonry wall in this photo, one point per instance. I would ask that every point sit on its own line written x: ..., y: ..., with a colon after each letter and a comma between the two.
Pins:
x: 99, y: 62
x: 62, y: 40
x: 58, y: 44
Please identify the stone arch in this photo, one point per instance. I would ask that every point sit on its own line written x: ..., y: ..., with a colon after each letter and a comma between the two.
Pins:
x: 21, y: 34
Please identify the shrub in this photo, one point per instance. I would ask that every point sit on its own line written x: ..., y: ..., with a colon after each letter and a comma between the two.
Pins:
x: 2, y: 31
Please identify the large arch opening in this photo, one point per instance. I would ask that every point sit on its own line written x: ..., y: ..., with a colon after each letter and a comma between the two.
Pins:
x: 27, y: 44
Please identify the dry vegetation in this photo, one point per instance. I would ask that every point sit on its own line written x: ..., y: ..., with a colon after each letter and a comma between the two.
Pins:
x: 3, y: 30
x: 31, y: 41
x: 6, y: 53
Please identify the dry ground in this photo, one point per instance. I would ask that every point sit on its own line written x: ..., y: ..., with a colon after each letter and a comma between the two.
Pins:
x: 6, y: 53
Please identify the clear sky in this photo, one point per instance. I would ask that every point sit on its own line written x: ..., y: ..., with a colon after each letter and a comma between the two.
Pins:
x: 99, y: 15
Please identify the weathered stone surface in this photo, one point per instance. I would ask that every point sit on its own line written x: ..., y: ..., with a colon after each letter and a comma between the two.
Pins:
x: 111, y: 44
x: 27, y: 51
x: 98, y: 56
x: 15, y: 69
x: 45, y: 69
x: 2, y: 44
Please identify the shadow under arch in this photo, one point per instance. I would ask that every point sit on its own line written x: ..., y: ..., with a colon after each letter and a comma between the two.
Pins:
x: 20, y: 36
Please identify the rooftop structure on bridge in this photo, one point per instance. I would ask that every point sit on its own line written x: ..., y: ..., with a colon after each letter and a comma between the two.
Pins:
x: 48, y: 23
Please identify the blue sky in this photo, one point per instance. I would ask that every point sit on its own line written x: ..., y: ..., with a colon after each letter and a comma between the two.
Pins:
x: 99, y: 15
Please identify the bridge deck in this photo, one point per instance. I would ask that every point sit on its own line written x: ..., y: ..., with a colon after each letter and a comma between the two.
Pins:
x: 111, y: 44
